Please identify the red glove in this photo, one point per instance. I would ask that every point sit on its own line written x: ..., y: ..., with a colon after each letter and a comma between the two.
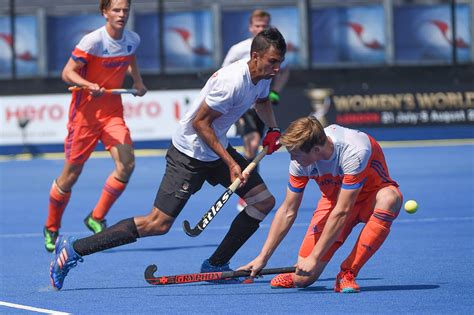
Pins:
x: 271, y: 140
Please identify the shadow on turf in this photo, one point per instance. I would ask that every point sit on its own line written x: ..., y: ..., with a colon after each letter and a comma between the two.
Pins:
x: 158, y: 249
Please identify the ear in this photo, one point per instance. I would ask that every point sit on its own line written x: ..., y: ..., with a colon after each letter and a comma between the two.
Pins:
x: 254, y: 55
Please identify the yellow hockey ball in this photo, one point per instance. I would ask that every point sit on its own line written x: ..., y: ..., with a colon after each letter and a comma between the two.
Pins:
x: 411, y: 206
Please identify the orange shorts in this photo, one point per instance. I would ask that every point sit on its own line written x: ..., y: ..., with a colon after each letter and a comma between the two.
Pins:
x: 82, y: 140
x: 361, y: 212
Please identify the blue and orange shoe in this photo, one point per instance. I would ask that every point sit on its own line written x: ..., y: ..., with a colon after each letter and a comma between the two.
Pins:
x: 64, y: 259
x: 345, y: 282
x: 283, y: 281
x: 207, y: 267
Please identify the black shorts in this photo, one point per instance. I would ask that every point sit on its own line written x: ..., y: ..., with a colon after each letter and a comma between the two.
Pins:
x: 185, y: 175
x: 250, y: 122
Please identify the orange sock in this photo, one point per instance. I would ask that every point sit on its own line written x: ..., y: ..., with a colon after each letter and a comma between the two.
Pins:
x: 57, y: 203
x: 113, y: 188
x: 370, y: 239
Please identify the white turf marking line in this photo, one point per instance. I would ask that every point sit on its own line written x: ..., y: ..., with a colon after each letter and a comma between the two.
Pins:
x: 162, y: 152
x: 264, y: 226
x: 33, y: 309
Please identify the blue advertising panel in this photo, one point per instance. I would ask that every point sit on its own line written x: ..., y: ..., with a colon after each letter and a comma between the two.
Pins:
x: 235, y: 28
x: 188, y: 40
x: 352, y: 34
x: 424, y: 33
x: 26, y: 45
x: 64, y: 33
x: 148, y: 53
x: 5, y: 46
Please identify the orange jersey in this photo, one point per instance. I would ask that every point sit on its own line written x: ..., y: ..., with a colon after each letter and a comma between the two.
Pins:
x: 357, y: 161
x: 106, y: 62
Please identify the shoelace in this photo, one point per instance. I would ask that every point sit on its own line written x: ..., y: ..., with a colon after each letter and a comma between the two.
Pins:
x: 69, y: 265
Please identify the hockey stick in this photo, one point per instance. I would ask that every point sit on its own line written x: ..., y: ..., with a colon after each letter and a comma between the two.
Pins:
x: 212, y: 212
x: 109, y: 91
x: 205, y: 276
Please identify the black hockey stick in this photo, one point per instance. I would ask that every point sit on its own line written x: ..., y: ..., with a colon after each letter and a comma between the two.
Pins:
x: 205, y: 276
x: 212, y: 212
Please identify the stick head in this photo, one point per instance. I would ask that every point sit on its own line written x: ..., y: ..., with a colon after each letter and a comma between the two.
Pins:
x: 193, y: 232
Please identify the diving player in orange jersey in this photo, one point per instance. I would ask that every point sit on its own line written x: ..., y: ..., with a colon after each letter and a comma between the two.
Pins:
x: 100, y: 61
x: 350, y: 170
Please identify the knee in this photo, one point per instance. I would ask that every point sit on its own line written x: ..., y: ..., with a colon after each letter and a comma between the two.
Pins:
x: 156, y: 224
x: 125, y: 169
x: 389, y: 199
x: 266, y: 205
x: 303, y: 282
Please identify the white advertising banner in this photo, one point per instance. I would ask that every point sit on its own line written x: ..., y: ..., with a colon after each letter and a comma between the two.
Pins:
x: 154, y: 116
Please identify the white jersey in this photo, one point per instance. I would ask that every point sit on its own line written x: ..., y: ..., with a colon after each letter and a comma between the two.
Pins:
x: 352, y: 151
x: 100, y: 44
x: 229, y: 91
x: 239, y: 51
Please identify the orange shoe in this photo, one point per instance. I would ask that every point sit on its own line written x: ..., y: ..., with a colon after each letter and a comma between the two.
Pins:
x: 283, y: 280
x: 345, y: 282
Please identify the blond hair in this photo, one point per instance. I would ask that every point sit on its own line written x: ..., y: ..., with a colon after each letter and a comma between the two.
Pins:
x: 105, y: 4
x: 259, y: 14
x: 303, y: 134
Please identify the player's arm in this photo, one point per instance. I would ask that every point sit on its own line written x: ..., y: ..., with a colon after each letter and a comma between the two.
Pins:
x: 202, y: 123
x: 71, y: 75
x: 281, y: 224
x: 335, y: 223
x: 134, y: 72
x: 265, y: 112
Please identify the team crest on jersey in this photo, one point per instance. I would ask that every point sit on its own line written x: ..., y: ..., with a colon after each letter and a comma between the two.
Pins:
x: 105, y: 52
x: 129, y: 48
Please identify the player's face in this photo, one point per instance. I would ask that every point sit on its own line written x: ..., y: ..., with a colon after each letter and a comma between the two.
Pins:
x: 269, y: 63
x: 117, y: 14
x: 258, y: 24
x: 306, y: 159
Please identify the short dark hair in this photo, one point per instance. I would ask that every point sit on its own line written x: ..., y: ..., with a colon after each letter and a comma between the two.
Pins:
x: 105, y: 4
x: 266, y: 38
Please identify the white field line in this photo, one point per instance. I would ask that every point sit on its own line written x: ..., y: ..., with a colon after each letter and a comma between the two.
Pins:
x: 162, y: 152
x: 31, y: 308
x: 264, y: 226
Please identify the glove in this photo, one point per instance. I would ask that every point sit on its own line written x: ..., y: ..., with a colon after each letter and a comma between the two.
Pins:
x: 274, y: 97
x: 271, y: 140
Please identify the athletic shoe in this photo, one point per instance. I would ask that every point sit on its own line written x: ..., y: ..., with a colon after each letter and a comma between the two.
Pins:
x: 207, y: 267
x: 94, y: 225
x: 50, y: 238
x: 64, y: 259
x: 241, y: 205
x: 283, y: 281
x: 345, y: 282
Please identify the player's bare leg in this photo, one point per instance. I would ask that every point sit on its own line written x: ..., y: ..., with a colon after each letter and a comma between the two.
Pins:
x: 375, y: 232
x: 251, y: 143
x: 124, y: 159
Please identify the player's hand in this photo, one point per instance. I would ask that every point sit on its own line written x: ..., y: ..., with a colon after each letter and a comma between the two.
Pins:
x: 271, y: 140
x: 236, y: 172
x: 141, y: 88
x: 254, y: 266
x: 274, y: 97
x: 95, y: 90
x: 305, y: 267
